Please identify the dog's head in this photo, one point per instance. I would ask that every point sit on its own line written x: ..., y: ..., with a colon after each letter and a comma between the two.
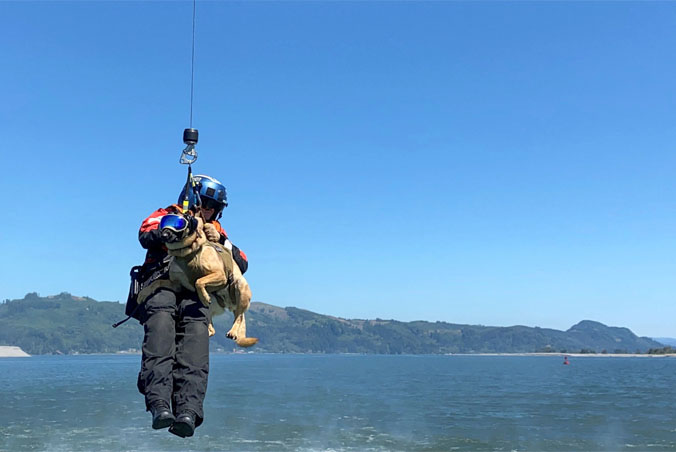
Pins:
x: 176, y: 228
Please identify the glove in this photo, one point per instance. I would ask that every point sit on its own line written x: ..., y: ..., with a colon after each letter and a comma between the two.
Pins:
x: 211, y: 233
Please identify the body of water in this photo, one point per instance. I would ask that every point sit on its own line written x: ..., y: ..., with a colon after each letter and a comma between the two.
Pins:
x: 264, y: 402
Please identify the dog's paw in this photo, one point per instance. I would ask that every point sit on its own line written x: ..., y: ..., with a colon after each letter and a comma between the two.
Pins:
x: 247, y: 342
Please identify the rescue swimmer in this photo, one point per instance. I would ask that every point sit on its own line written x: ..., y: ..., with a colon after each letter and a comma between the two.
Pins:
x: 175, y: 350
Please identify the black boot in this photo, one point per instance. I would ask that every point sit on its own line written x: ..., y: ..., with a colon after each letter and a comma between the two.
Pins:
x: 162, y: 417
x: 184, y: 425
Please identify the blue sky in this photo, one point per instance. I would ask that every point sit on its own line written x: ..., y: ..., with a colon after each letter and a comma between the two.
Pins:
x: 492, y: 163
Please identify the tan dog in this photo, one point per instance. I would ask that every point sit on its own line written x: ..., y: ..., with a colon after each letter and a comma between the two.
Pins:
x: 209, y: 269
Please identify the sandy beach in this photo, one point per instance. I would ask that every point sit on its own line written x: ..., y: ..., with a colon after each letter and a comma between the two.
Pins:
x: 12, y: 352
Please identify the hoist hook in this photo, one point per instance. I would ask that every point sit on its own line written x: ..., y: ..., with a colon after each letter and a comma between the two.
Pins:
x: 189, y: 154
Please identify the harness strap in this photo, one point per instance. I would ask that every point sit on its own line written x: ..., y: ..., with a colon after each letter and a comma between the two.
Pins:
x: 226, y: 256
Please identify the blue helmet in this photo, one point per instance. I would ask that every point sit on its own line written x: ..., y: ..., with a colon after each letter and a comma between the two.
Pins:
x: 210, y: 190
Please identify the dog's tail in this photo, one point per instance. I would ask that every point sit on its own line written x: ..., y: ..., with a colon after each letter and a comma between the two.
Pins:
x: 246, y: 341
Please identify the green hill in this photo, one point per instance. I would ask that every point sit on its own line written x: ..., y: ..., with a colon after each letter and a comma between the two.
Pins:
x: 67, y: 324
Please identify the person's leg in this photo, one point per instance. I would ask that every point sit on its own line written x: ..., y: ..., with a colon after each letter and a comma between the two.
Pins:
x: 192, y: 357
x: 155, y: 380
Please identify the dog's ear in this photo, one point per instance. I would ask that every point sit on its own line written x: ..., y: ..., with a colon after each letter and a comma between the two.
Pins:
x: 193, y: 223
x: 200, y: 227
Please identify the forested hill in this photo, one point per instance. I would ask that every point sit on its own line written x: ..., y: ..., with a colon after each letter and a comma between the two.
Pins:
x: 68, y: 324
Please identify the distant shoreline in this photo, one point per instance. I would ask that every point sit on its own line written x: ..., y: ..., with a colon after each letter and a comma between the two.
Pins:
x: 16, y: 352
x: 575, y: 355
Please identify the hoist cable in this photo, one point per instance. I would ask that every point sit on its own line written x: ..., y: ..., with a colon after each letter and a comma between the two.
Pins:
x: 192, y: 64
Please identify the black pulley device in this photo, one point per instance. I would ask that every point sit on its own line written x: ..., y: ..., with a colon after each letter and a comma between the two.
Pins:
x: 190, y: 136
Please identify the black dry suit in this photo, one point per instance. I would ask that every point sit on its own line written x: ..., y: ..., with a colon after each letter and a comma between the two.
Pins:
x: 175, y: 359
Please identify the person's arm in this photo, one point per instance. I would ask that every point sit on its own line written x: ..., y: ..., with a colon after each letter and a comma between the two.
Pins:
x: 149, y: 235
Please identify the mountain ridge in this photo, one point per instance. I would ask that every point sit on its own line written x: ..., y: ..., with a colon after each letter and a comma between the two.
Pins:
x: 66, y: 324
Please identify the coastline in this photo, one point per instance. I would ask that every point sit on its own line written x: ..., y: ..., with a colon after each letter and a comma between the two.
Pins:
x: 574, y: 355
x: 7, y: 351
x: 17, y: 352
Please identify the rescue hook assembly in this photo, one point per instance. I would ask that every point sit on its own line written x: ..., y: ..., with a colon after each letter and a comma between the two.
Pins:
x: 189, y: 154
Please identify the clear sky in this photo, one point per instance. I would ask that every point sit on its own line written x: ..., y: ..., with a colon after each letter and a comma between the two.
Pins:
x: 494, y: 163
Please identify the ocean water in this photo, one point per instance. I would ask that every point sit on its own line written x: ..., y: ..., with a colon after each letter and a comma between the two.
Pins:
x: 258, y: 402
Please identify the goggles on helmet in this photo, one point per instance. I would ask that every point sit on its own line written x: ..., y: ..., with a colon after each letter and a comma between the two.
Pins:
x: 176, y: 223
